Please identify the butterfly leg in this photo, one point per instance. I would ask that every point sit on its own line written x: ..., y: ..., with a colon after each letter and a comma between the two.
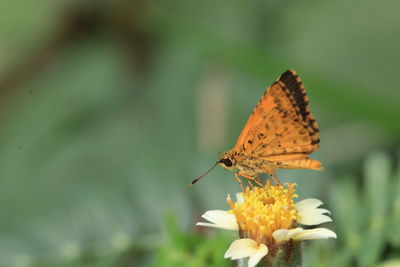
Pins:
x: 255, y: 179
x: 271, y: 171
x: 258, y: 181
x: 250, y: 183
x: 275, y: 178
x: 239, y: 181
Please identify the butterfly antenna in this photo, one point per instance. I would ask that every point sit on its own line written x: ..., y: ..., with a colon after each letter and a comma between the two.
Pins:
x: 198, y: 179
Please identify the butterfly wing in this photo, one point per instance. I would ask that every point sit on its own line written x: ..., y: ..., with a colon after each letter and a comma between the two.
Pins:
x: 281, y: 126
x: 296, y: 92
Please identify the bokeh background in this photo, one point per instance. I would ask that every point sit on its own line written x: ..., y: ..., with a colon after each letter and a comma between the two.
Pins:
x: 110, y: 108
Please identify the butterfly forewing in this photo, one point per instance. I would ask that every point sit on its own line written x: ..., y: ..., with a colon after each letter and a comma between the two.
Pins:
x: 295, y: 90
x: 281, y: 123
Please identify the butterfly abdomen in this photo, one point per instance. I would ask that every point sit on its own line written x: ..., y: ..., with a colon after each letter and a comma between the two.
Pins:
x: 306, y: 163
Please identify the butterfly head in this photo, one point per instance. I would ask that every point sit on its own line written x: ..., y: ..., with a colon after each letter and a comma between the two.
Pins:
x: 227, y: 162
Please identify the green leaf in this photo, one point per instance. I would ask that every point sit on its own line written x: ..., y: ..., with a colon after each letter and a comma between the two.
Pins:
x: 377, y: 173
x: 347, y: 211
x: 393, y: 231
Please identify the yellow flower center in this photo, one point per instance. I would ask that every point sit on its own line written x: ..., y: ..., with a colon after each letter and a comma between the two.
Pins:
x: 265, y: 210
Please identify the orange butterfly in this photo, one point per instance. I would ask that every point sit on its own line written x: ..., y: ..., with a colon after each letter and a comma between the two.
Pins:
x: 280, y: 133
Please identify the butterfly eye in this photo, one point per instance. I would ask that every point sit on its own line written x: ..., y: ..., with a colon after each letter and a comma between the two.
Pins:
x: 227, y: 162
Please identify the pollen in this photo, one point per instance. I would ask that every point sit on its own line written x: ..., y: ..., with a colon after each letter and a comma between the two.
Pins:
x: 265, y: 210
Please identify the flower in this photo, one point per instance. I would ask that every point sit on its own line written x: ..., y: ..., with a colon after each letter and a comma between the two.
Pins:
x: 268, y: 220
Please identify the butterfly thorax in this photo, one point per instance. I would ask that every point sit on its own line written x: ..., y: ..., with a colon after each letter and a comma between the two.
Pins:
x: 239, y: 162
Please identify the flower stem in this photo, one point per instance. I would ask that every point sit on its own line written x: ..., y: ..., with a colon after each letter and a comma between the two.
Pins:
x: 242, y: 262
x: 297, y: 256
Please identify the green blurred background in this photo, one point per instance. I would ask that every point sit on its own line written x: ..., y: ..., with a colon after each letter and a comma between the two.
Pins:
x: 110, y: 108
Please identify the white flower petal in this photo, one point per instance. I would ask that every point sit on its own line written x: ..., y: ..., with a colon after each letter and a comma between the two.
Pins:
x: 239, y: 198
x: 312, y: 218
x: 317, y: 233
x: 322, y: 211
x: 256, y: 257
x: 308, y: 212
x: 280, y: 235
x: 283, y: 235
x: 308, y: 203
x: 218, y: 226
x: 220, y: 219
x: 241, y: 248
x: 217, y: 216
x: 295, y: 231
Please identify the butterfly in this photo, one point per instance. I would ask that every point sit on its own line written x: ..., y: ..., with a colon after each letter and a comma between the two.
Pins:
x: 280, y: 133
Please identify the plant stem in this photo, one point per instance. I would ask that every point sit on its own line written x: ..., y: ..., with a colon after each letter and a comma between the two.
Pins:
x: 242, y: 262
